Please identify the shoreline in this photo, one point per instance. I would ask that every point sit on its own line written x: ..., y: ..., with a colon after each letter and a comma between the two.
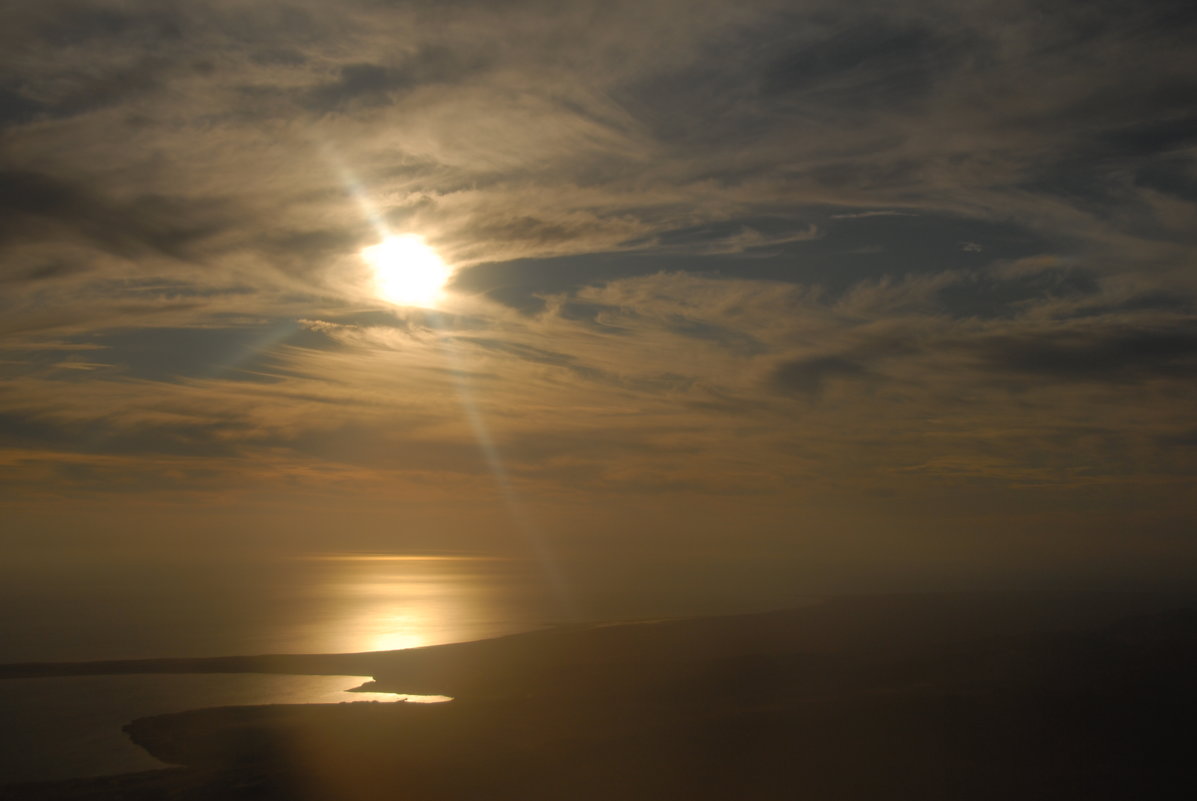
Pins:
x: 852, y: 679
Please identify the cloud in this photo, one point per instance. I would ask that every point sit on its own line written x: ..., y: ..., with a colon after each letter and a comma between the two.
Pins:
x: 809, y: 375
x: 865, y: 65
x: 364, y: 84
x: 1105, y: 353
x: 771, y: 250
x: 865, y: 214
x: 34, y: 205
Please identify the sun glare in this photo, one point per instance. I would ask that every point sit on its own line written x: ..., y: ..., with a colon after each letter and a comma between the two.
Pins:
x: 407, y: 272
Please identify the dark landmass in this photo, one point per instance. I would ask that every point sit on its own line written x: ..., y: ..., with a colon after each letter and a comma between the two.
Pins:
x: 898, y: 697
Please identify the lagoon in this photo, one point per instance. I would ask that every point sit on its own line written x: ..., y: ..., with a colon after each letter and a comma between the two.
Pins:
x: 62, y: 728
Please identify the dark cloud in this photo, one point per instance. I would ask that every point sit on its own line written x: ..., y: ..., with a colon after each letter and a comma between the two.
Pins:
x: 538, y: 232
x: 16, y: 109
x: 1173, y: 176
x: 1151, y: 137
x: 594, y: 316
x: 720, y: 335
x: 519, y: 282
x: 865, y: 67
x: 66, y: 24
x: 36, y: 205
x: 47, y: 271
x: 283, y: 56
x: 1172, y: 304
x: 573, y: 365
x: 809, y: 376
x: 305, y: 254
x: 845, y: 251
x: 359, y: 84
x: 1182, y: 439
x: 206, y: 438
x: 926, y: 243
x: 986, y: 294
x: 1114, y: 354
x: 1077, y: 23
x: 142, y: 79
x: 525, y: 352
x: 728, y: 237
x: 364, y: 84
x: 173, y: 354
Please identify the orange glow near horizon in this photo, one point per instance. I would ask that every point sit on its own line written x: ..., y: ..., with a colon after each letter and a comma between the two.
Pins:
x: 383, y: 557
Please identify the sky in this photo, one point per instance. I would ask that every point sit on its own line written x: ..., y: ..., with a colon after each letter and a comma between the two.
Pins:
x: 846, y: 295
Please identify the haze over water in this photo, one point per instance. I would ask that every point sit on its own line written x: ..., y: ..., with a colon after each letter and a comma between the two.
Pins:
x: 68, y: 609
x: 71, y: 611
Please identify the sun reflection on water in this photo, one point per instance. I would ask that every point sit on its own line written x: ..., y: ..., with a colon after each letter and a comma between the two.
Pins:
x: 393, y: 631
x: 386, y: 602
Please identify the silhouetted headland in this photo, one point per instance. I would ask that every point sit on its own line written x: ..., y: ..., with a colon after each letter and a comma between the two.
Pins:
x: 885, y: 697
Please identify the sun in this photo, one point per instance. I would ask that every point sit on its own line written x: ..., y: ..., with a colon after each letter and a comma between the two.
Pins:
x: 407, y: 272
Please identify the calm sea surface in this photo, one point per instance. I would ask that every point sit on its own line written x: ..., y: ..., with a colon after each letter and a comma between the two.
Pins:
x: 71, y: 611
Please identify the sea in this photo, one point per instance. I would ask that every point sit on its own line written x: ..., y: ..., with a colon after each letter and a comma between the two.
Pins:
x: 72, y: 610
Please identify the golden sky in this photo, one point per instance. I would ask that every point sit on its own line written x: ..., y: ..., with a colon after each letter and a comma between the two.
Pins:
x: 849, y: 293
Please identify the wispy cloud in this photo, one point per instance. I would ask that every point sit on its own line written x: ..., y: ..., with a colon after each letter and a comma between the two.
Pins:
x: 780, y: 250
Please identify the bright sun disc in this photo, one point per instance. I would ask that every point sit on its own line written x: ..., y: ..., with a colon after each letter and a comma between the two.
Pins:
x: 407, y: 272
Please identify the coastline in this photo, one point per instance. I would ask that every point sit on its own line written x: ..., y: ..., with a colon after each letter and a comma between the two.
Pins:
x: 853, y: 678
